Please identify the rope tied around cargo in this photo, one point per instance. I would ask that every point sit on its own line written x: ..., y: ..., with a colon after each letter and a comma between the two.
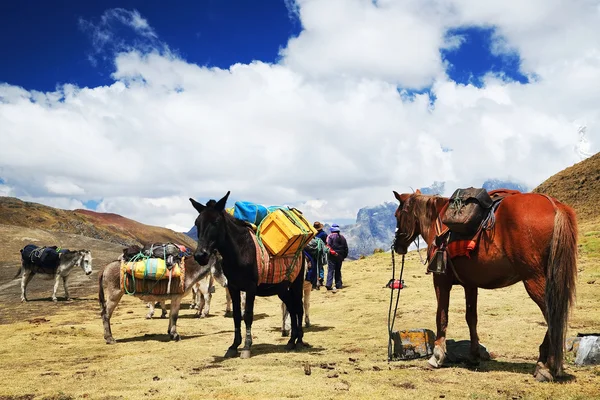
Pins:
x: 141, y: 257
x: 303, y: 242
x: 391, y: 319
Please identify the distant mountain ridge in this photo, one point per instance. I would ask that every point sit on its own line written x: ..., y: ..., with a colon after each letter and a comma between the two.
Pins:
x: 109, y: 227
x: 375, y: 225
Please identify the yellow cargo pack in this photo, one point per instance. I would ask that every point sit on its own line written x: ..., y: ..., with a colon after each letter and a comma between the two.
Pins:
x: 283, y: 231
x: 151, y: 268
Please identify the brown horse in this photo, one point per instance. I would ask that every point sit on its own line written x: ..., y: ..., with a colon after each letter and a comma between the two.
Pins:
x: 534, y: 240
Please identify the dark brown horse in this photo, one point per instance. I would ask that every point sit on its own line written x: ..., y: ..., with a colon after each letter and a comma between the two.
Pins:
x: 232, y: 238
x: 534, y: 240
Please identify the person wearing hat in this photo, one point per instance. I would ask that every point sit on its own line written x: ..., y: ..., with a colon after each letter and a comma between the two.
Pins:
x: 337, y: 253
x: 321, y: 267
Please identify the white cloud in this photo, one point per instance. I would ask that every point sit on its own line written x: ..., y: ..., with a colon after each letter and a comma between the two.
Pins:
x: 325, y: 129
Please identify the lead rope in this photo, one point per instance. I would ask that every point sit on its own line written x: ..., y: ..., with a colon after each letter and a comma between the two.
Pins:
x: 390, y: 319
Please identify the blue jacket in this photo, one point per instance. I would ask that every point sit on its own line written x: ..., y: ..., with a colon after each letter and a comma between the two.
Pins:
x: 322, y: 235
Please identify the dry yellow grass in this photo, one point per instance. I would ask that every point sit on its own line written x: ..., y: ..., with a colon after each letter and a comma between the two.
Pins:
x: 65, y: 357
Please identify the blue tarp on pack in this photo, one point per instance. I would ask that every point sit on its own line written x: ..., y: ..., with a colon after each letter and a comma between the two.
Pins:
x: 250, y: 212
x: 45, y: 257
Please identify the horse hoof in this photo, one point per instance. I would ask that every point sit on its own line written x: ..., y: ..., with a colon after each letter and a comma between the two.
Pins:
x: 290, y: 346
x: 149, y: 316
x: 245, y: 354
x: 230, y: 353
x: 55, y: 300
x: 111, y: 341
x: 300, y: 345
x: 307, y: 324
x: 542, y: 374
x: 163, y: 316
x: 176, y: 337
x: 433, y: 362
x: 228, y: 314
x: 285, y: 333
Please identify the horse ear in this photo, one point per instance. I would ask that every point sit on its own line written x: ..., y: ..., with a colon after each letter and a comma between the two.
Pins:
x: 220, y: 206
x: 401, y: 197
x: 418, y: 191
x: 199, y: 207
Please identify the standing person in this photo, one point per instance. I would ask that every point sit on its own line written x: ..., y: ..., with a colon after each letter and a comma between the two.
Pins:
x: 337, y: 253
x: 321, y: 266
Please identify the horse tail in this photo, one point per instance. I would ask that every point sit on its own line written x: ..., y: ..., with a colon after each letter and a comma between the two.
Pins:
x: 561, y: 276
x: 101, y: 298
x: 18, y: 272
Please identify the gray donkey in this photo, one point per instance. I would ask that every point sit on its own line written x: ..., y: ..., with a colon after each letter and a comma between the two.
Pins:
x: 59, y: 269
x: 110, y: 291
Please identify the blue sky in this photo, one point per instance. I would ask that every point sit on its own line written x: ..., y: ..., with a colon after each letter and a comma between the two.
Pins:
x: 55, y: 47
x: 52, y: 46
x: 327, y: 105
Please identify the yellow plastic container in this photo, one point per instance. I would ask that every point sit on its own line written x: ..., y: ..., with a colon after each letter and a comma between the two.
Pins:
x: 283, y: 234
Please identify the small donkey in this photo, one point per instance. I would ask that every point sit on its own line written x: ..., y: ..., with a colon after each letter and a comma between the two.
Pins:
x: 59, y: 269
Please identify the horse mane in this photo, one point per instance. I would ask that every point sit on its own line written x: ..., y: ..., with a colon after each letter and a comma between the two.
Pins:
x: 427, y: 207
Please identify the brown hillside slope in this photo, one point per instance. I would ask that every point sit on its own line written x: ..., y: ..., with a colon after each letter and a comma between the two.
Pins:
x: 577, y: 186
x: 107, y: 227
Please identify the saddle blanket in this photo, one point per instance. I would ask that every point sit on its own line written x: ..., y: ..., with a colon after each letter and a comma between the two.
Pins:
x: 275, y: 269
x: 137, y: 278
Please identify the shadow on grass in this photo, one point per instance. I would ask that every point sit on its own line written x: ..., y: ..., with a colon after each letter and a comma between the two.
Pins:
x: 257, y: 317
x: 312, y: 328
x: 269, y: 348
x: 149, y: 337
x: 60, y: 299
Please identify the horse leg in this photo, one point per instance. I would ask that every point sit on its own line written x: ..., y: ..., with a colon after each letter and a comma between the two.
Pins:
x: 151, y: 306
x: 286, y: 297
x: 237, y: 322
x: 113, y: 298
x: 306, y: 301
x: 285, y: 320
x: 206, y: 306
x: 298, y: 313
x: 25, y: 279
x: 163, y: 307
x: 243, y: 300
x: 201, y: 304
x: 248, y: 319
x: 194, y: 302
x: 64, y: 279
x: 536, y: 290
x: 443, y: 285
x: 228, y: 312
x: 175, y: 303
x: 56, y: 282
x: 471, y: 317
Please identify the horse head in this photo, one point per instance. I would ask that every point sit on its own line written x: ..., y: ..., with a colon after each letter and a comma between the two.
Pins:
x: 210, y: 224
x: 407, y: 224
x: 85, y: 261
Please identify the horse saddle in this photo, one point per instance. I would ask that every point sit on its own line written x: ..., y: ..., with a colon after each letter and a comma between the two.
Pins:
x: 460, y: 224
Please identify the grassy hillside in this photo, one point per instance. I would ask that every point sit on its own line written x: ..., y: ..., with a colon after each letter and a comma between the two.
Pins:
x: 104, y: 226
x: 579, y: 187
